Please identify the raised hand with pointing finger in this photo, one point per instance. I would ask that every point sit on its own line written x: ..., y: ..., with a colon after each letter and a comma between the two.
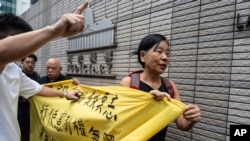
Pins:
x: 68, y: 25
x: 72, y: 23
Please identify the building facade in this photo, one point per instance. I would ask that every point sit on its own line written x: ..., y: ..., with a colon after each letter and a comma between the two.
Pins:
x: 8, y: 6
x: 22, y: 6
x: 210, y: 53
x: 15, y: 6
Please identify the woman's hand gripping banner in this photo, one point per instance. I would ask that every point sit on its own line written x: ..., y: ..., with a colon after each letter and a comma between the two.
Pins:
x: 105, y: 113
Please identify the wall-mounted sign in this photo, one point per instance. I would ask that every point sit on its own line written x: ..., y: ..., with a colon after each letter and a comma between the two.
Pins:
x: 90, y: 64
x: 91, y: 53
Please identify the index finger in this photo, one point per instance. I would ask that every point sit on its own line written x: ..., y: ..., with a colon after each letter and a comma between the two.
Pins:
x: 168, y: 96
x: 190, y: 107
x: 82, y: 7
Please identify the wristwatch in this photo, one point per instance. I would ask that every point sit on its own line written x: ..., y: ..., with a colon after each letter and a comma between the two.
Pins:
x: 65, y: 93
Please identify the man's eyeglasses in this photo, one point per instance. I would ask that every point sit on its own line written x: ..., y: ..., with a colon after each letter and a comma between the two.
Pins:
x: 30, y: 62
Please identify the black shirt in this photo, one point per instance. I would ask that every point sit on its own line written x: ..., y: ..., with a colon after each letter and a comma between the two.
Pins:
x: 45, y: 79
x: 34, y: 76
x: 160, y: 136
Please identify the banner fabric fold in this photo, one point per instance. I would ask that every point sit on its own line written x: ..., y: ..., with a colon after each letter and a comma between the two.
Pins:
x: 105, y: 113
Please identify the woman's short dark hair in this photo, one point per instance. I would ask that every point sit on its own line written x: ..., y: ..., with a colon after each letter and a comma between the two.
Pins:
x: 147, y: 43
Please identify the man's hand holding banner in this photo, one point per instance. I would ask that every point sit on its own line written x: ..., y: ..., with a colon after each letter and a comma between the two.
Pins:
x: 105, y: 113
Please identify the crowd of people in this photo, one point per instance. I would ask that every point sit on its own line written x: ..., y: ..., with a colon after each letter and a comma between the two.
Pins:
x: 18, y: 84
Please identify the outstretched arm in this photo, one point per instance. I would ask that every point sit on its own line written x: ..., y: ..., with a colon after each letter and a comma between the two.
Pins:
x: 190, y: 116
x: 49, y: 92
x: 16, y: 47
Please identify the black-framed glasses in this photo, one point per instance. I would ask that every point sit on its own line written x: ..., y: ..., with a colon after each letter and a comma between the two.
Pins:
x: 30, y: 62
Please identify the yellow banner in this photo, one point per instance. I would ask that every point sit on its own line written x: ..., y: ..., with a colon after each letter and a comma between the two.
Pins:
x: 107, y: 113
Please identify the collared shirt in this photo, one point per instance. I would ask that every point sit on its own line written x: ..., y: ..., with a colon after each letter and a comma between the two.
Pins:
x: 13, y: 82
x: 34, y: 76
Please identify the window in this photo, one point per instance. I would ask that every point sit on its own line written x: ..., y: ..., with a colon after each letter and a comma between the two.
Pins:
x: 33, y: 1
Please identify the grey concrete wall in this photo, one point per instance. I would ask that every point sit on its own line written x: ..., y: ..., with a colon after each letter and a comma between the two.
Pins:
x: 209, y: 55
